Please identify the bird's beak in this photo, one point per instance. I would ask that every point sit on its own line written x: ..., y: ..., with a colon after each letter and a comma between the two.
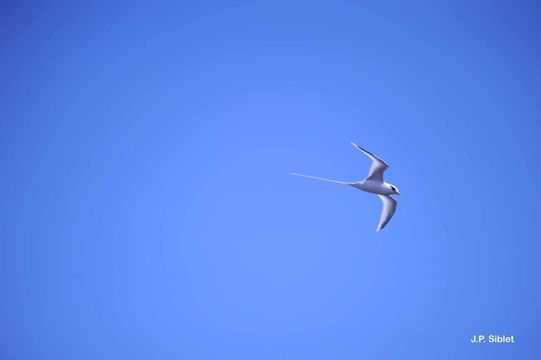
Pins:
x: 398, y: 193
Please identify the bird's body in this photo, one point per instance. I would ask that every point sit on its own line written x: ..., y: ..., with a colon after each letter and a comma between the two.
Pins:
x: 374, y: 187
x: 374, y: 184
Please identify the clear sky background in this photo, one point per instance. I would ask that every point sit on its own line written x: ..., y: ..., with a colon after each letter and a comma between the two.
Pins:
x: 147, y: 209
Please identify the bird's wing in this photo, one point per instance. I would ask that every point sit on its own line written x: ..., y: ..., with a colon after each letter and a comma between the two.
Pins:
x: 389, y: 207
x: 377, y: 168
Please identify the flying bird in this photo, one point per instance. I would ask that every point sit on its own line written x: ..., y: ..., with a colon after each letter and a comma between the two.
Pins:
x: 374, y: 184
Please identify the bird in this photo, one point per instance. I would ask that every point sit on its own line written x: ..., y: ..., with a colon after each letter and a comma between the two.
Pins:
x: 373, y: 184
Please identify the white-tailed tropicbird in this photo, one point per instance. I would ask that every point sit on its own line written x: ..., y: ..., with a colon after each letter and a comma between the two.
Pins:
x: 374, y: 184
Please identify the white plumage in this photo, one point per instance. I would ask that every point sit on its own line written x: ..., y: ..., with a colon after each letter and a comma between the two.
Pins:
x: 374, y: 184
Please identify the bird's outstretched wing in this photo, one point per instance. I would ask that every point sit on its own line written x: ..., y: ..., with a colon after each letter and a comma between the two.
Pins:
x: 378, y: 166
x: 389, y: 207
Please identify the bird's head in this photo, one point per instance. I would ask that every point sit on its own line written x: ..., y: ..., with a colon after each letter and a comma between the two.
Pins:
x: 394, y: 189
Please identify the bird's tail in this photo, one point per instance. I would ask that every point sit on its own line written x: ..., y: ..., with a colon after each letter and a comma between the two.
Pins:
x: 322, y: 179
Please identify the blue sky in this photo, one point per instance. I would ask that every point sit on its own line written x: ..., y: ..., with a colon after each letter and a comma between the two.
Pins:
x: 147, y: 208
